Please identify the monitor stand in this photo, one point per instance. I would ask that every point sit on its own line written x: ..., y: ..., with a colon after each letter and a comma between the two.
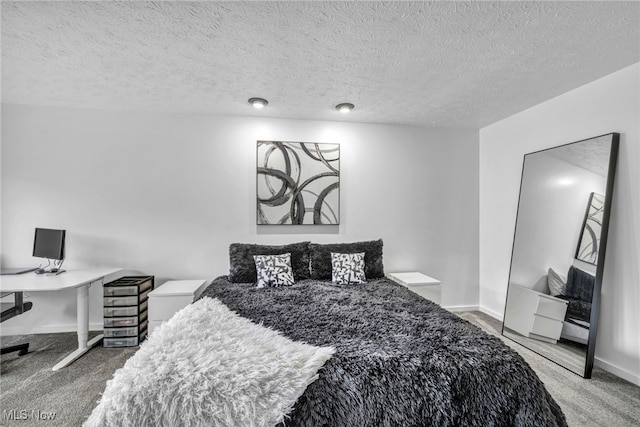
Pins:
x: 54, y: 273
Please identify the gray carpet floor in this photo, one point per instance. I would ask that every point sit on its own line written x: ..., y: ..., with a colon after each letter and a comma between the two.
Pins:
x: 28, y: 383
x: 603, y: 400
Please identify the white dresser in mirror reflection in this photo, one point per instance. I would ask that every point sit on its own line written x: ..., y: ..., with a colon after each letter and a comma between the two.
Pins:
x: 534, y: 315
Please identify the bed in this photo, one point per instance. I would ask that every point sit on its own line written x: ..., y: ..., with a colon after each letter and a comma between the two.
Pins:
x: 392, y: 358
x: 400, y: 360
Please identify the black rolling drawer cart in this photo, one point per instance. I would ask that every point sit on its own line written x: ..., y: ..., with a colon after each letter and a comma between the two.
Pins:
x: 125, y: 310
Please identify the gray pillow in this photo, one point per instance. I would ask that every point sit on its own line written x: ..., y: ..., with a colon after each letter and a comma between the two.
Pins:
x: 320, y: 258
x: 242, y: 267
x: 557, y: 284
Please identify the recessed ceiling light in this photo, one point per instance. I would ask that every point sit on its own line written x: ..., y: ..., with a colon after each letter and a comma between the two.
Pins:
x: 258, y: 102
x: 345, y: 107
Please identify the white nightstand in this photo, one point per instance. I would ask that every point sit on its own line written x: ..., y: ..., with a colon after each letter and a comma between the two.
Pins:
x: 171, y: 296
x: 534, y: 314
x: 423, y: 285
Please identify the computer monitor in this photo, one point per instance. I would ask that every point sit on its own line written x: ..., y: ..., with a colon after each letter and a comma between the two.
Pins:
x: 49, y: 244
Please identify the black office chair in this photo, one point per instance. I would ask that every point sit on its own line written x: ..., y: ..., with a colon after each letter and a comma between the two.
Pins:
x: 16, y: 309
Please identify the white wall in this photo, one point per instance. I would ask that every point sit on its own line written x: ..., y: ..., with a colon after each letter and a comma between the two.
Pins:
x: 610, y: 104
x: 167, y: 194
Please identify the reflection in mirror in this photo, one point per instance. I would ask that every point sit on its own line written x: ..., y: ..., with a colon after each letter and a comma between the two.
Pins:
x: 590, y: 235
x: 558, y: 253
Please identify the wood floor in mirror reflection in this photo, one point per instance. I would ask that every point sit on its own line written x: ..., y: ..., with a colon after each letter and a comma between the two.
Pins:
x: 565, y: 353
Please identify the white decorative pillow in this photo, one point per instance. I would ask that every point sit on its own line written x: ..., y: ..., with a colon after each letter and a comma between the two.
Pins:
x: 557, y: 284
x: 273, y: 270
x: 347, y: 268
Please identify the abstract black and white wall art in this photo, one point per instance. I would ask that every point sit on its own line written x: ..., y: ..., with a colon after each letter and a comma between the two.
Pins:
x: 298, y: 183
x: 589, y: 243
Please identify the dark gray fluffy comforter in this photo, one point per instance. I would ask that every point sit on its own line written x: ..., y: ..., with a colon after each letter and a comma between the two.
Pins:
x: 400, y: 361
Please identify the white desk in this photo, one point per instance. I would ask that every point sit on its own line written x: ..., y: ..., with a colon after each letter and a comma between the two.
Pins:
x: 81, y: 280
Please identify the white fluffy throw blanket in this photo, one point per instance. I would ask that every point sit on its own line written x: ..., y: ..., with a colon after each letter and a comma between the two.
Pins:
x: 208, y: 366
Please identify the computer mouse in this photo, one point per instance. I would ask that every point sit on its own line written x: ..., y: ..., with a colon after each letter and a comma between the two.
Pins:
x: 40, y: 271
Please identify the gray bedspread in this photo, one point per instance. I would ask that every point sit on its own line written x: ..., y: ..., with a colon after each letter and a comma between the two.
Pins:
x: 400, y: 360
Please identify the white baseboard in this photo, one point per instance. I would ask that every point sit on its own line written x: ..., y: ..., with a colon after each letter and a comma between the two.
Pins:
x: 494, y: 314
x: 46, y: 329
x: 460, y: 308
x: 602, y: 364
x: 98, y: 326
x: 619, y: 372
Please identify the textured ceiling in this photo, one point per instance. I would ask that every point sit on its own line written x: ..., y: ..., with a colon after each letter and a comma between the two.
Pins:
x: 592, y: 154
x: 453, y: 64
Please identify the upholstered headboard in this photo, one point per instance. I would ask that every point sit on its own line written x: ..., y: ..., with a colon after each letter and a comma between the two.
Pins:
x: 580, y: 284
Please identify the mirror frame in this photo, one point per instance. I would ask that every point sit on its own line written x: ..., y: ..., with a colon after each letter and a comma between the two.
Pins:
x: 597, y: 287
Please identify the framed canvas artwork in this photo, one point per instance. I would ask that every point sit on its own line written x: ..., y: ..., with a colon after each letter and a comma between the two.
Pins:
x: 589, y: 242
x: 298, y: 183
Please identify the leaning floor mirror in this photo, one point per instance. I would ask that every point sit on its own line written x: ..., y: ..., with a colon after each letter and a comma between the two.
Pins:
x: 557, y: 261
